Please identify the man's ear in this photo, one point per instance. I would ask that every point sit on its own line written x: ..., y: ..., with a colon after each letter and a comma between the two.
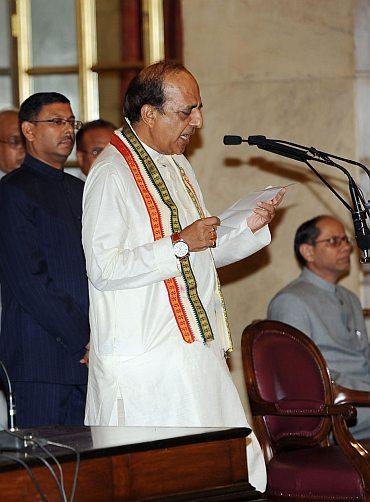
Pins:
x: 307, y: 251
x: 148, y: 114
x: 28, y: 130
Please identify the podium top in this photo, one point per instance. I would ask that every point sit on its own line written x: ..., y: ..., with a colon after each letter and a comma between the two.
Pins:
x: 93, y: 442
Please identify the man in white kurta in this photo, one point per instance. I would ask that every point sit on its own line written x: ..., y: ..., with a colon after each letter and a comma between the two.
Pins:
x: 159, y: 335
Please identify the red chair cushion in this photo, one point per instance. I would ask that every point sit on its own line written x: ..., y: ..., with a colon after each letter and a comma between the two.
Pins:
x: 314, y: 472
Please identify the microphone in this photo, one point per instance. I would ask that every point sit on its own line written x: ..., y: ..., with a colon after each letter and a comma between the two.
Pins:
x: 305, y: 154
x: 270, y: 145
x: 233, y: 140
x: 362, y: 232
x: 297, y: 153
x: 238, y: 140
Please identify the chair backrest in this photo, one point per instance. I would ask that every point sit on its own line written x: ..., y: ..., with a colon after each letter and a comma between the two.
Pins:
x: 282, y: 365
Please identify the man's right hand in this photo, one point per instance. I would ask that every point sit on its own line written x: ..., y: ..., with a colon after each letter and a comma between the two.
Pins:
x: 201, y: 234
x: 85, y: 359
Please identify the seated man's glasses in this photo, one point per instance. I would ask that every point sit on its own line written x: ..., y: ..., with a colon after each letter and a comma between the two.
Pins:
x: 336, y: 241
x: 59, y: 122
x: 14, y: 142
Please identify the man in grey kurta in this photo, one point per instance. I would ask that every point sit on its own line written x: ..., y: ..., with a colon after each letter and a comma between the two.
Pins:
x: 329, y: 314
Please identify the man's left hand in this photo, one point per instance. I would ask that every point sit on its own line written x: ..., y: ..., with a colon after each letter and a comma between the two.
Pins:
x: 265, y: 212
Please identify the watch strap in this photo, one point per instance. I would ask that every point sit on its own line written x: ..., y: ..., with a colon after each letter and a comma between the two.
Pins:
x: 175, y: 237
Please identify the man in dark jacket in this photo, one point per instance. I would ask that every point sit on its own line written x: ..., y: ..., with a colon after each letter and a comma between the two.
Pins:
x: 44, y: 326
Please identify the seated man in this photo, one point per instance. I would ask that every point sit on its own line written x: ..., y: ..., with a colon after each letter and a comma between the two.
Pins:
x: 328, y: 313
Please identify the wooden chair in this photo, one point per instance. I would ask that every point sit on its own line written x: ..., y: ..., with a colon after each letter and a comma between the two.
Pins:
x: 292, y: 399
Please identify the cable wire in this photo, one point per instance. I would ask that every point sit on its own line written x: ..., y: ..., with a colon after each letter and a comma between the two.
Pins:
x: 30, y: 473
x: 52, y: 472
x: 60, y: 481
x: 77, y: 453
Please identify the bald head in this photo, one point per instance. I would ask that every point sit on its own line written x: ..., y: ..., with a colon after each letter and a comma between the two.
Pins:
x: 11, y: 146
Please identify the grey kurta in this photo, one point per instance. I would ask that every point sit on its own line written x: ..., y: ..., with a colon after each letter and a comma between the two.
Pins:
x: 332, y: 317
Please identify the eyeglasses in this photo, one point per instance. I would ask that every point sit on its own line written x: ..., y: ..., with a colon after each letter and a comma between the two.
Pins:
x: 59, y: 122
x: 14, y: 142
x: 94, y: 152
x: 336, y: 241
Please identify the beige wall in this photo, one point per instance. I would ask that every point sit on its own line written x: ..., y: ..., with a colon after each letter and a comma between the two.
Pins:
x: 284, y: 69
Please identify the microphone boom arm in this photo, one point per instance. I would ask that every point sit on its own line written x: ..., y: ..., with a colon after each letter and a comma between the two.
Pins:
x: 306, y: 155
x: 274, y: 146
x: 328, y: 185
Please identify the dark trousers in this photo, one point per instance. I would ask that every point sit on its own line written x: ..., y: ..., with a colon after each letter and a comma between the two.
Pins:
x: 49, y: 404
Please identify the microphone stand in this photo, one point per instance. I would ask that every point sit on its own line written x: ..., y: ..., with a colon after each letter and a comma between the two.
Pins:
x: 362, y: 231
x: 359, y: 212
x: 9, y: 441
x: 322, y: 154
x: 301, y: 153
x: 12, y: 411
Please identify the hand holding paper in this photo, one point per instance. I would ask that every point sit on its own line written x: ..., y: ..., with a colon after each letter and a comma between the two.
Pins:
x: 248, y: 209
x: 264, y: 212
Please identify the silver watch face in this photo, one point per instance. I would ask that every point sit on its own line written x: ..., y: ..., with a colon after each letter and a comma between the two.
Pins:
x: 181, y: 249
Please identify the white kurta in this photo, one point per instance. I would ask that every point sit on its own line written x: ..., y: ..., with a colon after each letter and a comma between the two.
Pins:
x: 139, y: 363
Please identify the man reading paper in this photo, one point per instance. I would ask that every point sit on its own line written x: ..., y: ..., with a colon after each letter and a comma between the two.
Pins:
x: 159, y: 331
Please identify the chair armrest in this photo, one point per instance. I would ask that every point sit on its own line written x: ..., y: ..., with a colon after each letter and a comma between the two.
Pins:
x: 350, y: 396
x: 354, y: 450
x: 300, y: 408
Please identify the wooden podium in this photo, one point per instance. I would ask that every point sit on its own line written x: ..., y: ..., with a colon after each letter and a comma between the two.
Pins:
x: 136, y: 463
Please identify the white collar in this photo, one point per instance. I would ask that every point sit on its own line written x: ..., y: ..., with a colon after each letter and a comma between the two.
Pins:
x: 158, y: 158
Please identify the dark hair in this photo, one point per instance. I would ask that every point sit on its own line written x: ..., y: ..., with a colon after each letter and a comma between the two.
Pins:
x: 89, y: 126
x: 307, y: 233
x: 147, y: 88
x: 31, y: 107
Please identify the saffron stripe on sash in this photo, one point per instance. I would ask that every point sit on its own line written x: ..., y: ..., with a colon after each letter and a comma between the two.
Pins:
x: 157, y: 229
x: 154, y: 214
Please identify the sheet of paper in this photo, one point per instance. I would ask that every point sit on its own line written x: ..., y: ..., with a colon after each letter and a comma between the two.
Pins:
x: 234, y: 216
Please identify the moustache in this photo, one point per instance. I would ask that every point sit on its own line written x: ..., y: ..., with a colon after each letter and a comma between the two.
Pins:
x: 67, y: 138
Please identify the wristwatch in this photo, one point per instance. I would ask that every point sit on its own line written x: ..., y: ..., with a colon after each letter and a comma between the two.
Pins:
x: 180, y: 247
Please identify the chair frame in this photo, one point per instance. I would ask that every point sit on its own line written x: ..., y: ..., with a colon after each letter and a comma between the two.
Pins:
x: 336, y: 410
